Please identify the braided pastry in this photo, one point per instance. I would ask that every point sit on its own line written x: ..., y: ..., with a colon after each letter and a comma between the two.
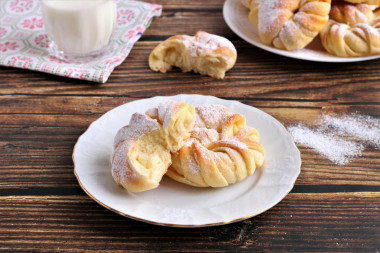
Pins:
x: 142, y: 149
x: 288, y: 24
x: 353, y: 30
x: 203, y: 53
x: 221, y: 150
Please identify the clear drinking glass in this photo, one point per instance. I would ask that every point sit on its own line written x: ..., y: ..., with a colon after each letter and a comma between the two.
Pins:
x: 79, y: 30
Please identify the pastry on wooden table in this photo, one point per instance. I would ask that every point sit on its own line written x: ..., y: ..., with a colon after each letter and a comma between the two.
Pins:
x: 204, y: 53
x: 353, y: 30
x: 142, y: 149
x: 221, y: 150
x: 288, y: 24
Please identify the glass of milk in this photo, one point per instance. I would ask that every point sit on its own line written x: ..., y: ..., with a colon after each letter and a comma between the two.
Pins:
x: 79, y: 30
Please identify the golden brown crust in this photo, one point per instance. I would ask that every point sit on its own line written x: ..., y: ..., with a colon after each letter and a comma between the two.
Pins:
x: 221, y: 149
x: 125, y: 171
x: 142, y: 149
x: 353, y: 30
x: 289, y: 24
x: 232, y: 125
x: 203, y: 53
x: 224, y: 153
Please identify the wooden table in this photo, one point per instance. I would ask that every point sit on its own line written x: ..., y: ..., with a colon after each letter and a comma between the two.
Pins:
x: 42, y: 207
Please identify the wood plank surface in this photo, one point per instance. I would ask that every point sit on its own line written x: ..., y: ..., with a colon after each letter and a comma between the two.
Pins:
x: 300, y: 222
x: 257, y: 74
x: 332, y: 208
x: 53, y: 147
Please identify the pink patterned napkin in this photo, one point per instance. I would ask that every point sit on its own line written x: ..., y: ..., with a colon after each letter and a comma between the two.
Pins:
x: 24, y: 43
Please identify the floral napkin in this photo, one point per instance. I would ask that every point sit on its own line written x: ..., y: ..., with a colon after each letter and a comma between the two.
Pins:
x: 24, y: 43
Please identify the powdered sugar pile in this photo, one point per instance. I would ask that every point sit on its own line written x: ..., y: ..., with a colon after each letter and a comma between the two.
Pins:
x: 330, y: 138
x: 364, y: 128
x: 334, y: 148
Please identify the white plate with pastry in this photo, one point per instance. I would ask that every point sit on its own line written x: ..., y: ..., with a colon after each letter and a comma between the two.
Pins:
x: 236, y: 16
x: 176, y: 204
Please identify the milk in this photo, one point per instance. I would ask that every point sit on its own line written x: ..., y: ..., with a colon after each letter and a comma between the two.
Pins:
x: 79, y: 26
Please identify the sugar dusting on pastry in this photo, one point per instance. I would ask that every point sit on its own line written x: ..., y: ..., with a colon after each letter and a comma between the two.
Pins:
x: 141, y: 125
x: 142, y: 149
x: 164, y: 110
x: 268, y: 17
x: 193, y: 165
x: 213, y: 159
x: 235, y: 142
x: 204, y: 135
x: 205, y: 41
x: 289, y: 24
x: 204, y: 53
x: 210, y: 116
x: 119, y: 159
x: 205, y: 157
x: 353, y: 30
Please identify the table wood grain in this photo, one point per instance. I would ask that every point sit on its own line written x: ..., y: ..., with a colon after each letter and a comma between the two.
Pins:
x: 42, y: 208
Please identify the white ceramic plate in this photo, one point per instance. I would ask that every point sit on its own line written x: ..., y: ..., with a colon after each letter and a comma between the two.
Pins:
x: 176, y: 204
x: 236, y: 17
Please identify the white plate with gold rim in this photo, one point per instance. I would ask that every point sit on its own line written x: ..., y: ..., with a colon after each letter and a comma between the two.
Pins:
x: 176, y: 204
x: 236, y: 17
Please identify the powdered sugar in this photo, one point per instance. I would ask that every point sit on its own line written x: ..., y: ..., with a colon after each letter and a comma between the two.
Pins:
x: 334, y: 148
x: 364, y: 128
x: 138, y: 125
x: 352, y: 14
x: 268, y: 17
x: 204, y: 42
x: 152, y: 112
x: 330, y: 138
x: 204, y: 136
x: 286, y: 24
x: 210, y: 116
x: 235, y: 142
x: 193, y: 165
x: 121, y: 164
x: 164, y: 114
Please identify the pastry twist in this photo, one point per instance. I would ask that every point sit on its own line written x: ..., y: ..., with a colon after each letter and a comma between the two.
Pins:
x: 353, y: 30
x: 221, y: 150
x: 288, y: 24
